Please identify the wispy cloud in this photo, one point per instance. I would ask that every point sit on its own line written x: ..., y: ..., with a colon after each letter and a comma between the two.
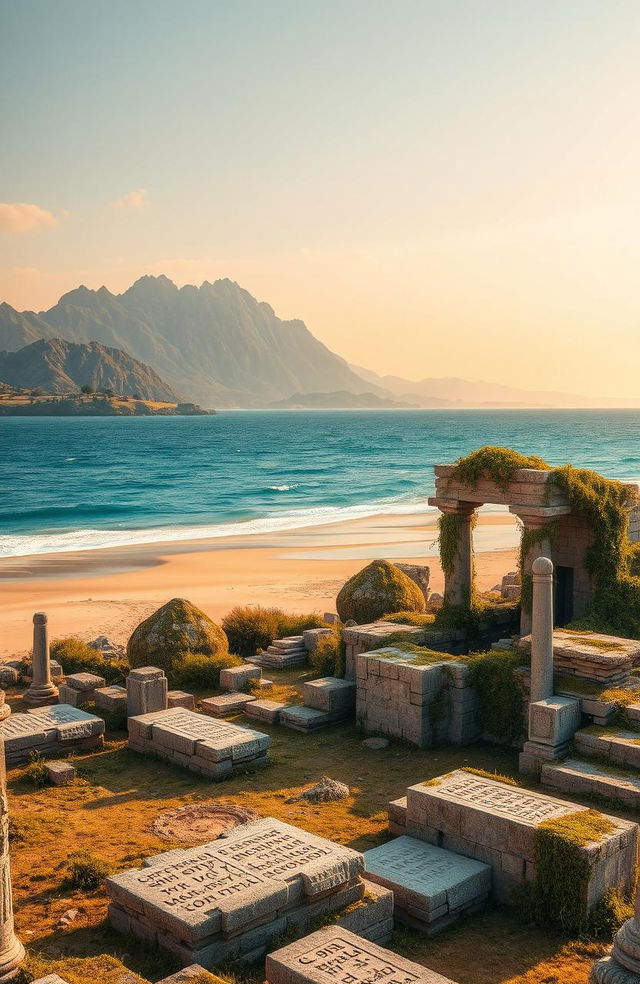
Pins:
x: 22, y: 217
x: 133, y: 199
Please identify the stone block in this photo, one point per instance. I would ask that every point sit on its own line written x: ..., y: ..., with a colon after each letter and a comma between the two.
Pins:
x: 112, y: 699
x: 188, y: 974
x: 265, y: 710
x: 51, y: 731
x: 474, y: 815
x: 234, y: 894
x: 331, y: 694
x: 430, y: 885
x: 60, y: 773
x: 334, y: 955
x: 180, y: 698
x: 147, y: 690
x: 304, y: 718
x: 231, y: 703
x: 197, y: 742
x: 236, y: 678
x: 68, y: 695
x: 85, y: 682
x: 554, y: 721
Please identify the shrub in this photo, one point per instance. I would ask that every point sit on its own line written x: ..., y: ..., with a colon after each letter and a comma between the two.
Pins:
x: 36, y: 772
x: 499, y: 688
x: 252, y: 627
x: 608, y: 915
x: 325, y: 658
x: 195, y: 671
x: 76, y: 656
x: 173, y: 630
x: 377, y: 590
x: 87, y: 871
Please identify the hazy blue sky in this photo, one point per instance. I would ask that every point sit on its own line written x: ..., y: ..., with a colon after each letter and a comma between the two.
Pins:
x: 436, y: 188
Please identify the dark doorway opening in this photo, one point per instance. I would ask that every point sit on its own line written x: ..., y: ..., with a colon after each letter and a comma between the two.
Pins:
x: 563, y: 609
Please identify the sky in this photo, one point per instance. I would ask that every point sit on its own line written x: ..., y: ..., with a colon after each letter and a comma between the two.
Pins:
x: 436, y: 187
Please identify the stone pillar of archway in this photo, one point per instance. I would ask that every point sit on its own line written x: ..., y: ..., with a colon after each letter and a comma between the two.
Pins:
x: 458, y: 582
x: 534, y: 522
x: 11, y: 949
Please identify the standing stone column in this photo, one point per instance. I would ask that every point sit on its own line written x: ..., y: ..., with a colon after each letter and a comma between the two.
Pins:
x: 542, y: 630
x: 42, y: 690
x: 11, y: 949
x: 458, y: 583
x: 540, y: 547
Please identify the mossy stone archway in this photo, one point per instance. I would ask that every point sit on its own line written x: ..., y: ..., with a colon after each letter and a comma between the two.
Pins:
x: 578, y: 519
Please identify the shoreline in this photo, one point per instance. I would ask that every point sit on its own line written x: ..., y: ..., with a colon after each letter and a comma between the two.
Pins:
x: 107, y: 591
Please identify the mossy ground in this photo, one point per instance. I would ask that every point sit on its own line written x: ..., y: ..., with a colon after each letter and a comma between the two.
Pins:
x: 110, y: 809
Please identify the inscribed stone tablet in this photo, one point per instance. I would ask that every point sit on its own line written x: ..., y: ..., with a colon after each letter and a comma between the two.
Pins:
x: 434, y: 876
x: 229, y: 883
x: 498, y: 797
x: 337, y: 956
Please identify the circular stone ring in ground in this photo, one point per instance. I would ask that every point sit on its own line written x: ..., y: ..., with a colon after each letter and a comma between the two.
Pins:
x: 201, y: 822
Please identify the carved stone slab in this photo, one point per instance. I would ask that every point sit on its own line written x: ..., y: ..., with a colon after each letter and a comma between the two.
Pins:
x: 50, y: 730
x: 494, y: 822
x: 196, y: 741
x: 337, y: 956
x: 429, y: 884
x: 231, y: 883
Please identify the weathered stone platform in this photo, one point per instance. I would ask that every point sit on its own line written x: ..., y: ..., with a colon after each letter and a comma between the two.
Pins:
x: 52, y: 731
x: 335, y: 956
x: 496, y: 823
x: 198, y: 743
x: 431, y: 887
x: 230, y: 898
x: 604, y: 659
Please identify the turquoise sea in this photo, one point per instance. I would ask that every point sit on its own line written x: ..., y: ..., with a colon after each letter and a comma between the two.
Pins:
x: 69, y: 483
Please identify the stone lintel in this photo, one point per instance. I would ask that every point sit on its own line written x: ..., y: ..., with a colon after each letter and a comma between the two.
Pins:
x: 538, y: 515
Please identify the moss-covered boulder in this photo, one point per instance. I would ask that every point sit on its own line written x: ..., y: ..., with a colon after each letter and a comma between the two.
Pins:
x: 176, y: 628
x: 379, y: 589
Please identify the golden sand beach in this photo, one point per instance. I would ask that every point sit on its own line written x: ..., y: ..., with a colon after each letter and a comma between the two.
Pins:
x: 108, y: 591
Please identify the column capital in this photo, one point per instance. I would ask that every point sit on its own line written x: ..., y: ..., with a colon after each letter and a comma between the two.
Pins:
x: 454, y: 506
x: 533, y: 517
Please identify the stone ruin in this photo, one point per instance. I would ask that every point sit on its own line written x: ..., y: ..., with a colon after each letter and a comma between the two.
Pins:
x: 535, y: 503
x: 229, y: 899
x: 495, y: 823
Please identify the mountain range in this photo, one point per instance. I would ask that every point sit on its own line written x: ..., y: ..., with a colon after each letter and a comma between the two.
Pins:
x: 218, y: 346
x: 57, y: 366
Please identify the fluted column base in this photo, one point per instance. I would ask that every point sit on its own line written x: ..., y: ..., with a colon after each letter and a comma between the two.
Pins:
x: 11, y: 960
x: 41, y: 695
x: 623, y: 966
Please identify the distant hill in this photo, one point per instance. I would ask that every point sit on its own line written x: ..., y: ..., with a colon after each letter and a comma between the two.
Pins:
x: 338, y: 401
x: 452, y: 392
x: 57, y: 366
x: 216, y: 344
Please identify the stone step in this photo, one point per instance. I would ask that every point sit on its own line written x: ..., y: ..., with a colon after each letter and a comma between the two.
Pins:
x: 290, y: 651
x: 305, y: 719
x: 620, y: 746
x: 576, y: 775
